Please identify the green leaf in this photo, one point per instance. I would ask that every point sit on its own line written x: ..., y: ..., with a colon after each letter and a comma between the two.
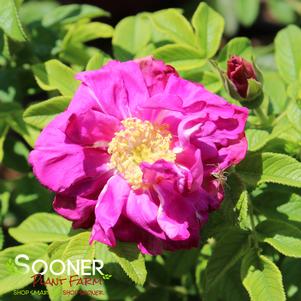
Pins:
x: 287, y: 51
x: 281, y: 205
x: 131, y: 35
x: 237, y: 46
x: 181, y: 262
x: 228, y: 250
x: 82, y: 33
x: 3, y: 131
x: 262, y: 278
x: 78, y: 247
x: 10, y: 20
x: 98, y: 60
x: 40, y: 114
x: 235, y: 205
x: 294, y: 114
x: 274, y: 88
x: 55, y: 252
x: 41, y: 227
x: 284, y: 237
x: 260, y: 168
x: 131, y: 261
x: 180, y: 56
x: 226, y: 8
x: 66, y: 14
x: 209, y: 27
x: 13, y: 276
x: 33, y: 11
x: 282, y: 11
x: 174, y: 26
x: 257, y: 139
x: 247, y: 11
x: 54, y: 75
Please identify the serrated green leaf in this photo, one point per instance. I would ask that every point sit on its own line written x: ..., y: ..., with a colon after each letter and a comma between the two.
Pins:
x: 55, y: 252
x: 131, y: 35
x: 294, y: 115
x: 10, y: 20
x: 261, y: 278
x: 274, y: 88
x: 174, y: 26
x: 13, y: 276
x: 209, y: 27
x: 270, y: 168
x: 247, y: 11
x: 284, y: 237
x: 111, y: 265
x: 180, y: 56
x: 280, y: 205
x: 54, y: 75
x: 228, y: 250
x: 40, y: 114
x: 41, y: 227
x: 287, y: 51
x: 66, y: 14
x: 257, y: 139
x: 238, y: 46
x: 131, y: 261
x: 78, y: 247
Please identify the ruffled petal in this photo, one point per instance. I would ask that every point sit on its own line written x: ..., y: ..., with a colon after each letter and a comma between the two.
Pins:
x: 77, y: 209
x: 148, y: 209
x: 92, y: 128
x: 155, y: 74
x: 61, y: 165
x: 108, y: 209
x: 118, y: 88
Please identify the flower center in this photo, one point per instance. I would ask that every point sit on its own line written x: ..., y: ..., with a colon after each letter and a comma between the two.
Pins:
x: 139, y: 141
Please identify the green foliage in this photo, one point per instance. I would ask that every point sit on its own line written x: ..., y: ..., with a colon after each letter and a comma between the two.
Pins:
x: 131, y: 35
x: 261, y: 278
x: 10, y: 21
x: 14, y: 277
x: 209, y: 27
x: 41, y: 227
x: 250, y: 243
x: 40, y: 114
x: 53, y: 75
x: 288, y: 47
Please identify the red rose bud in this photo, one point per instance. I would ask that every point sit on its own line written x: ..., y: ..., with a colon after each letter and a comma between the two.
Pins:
x: 239, y: 71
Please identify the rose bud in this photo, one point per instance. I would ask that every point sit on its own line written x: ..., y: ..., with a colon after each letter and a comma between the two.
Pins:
x: 239, y: 71
x: 243, y: 82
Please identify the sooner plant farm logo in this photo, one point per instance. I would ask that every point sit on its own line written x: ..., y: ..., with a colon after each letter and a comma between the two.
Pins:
x: 69, y: 273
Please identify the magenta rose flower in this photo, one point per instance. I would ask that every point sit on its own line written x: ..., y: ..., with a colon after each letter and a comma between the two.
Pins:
x: 135, y: 155
x: 239, y: 71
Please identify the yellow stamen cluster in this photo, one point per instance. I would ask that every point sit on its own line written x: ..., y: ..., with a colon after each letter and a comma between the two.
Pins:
x: 139, y: 141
